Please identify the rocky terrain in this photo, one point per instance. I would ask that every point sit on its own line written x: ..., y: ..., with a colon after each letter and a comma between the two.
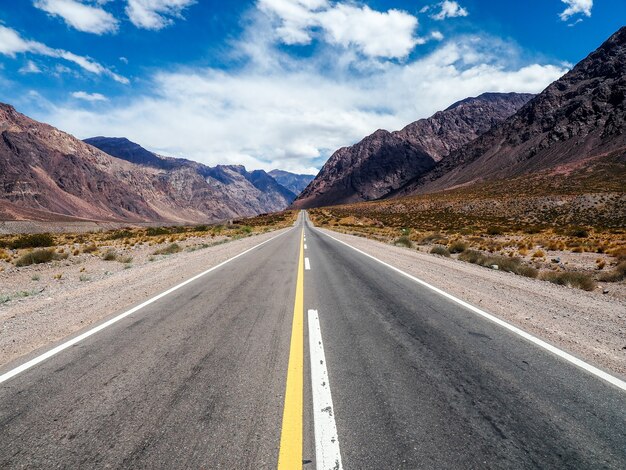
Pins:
x: 576, y: 120
x: 292, y: 181
x: 385, y: 161
x: 47, y: 174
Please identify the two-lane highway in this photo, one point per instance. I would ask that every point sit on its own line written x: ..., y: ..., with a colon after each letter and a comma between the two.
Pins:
x: 306, y: 353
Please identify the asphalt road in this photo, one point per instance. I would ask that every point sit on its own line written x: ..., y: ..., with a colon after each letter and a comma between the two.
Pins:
x: 199, y: 379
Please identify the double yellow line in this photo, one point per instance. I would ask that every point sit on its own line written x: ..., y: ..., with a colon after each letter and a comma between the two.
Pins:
x: 290, y: 455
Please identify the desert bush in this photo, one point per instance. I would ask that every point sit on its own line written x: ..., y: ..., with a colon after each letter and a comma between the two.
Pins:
x: 539, y: 254
x: 90, y: 248
x: 572, y: 279
x: 432, y: 238
x: 36, y: 257
x: 168, y: 250
x: 403, y: 241
x: 109, y: 255
x: 201, y: 228
x: 615, y: 275
x: 246, y: 229
x: 494, y: 231
x: 35, y: 240
x: 125, y: 259
x: 472, y: 256
x: 120, y: 234
x: 579, y: 232
x: 155, y: 231
x: 504, y: 263
x: 440, y: 250
x: 457, y: 247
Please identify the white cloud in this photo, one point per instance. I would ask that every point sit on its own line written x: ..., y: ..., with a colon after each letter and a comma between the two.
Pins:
x: 83, y: 95
x: 373, y: 33
x: 449, y: 9
x: 155, y: 14
x: 30, y: 67
x: 575, y: 7
x: 86, y: 18
x: 292, y: 113
x: 11, y: 44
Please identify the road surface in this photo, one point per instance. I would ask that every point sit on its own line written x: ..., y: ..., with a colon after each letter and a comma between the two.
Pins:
x: 304, y: 353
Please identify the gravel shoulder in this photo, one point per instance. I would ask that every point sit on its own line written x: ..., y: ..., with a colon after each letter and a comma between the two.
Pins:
x: 58, y: 299
x: 586, y: 324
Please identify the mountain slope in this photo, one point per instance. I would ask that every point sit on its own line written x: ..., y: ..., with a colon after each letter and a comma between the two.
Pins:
x: 578, y: 117
x: 44, y: 169
x: 247, y: 193
x: 385, y: 161
x: 292, y: 181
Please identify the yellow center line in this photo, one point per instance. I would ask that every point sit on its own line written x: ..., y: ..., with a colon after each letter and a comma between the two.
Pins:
x: 290, y: 454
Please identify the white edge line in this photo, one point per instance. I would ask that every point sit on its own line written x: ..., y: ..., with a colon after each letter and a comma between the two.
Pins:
x: 553, y: 349
x: 33, y: 362
x: 327, y: 452
x: 307, y: 264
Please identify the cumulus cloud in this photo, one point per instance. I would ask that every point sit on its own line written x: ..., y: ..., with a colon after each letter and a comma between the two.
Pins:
x: 293, y: 114
x: 78, y: 15
x: 389, y: 34
x: 155, y: 14
x: 449, y: 9
x: 576, y: 7
x: 83, y: 95
x: 11, y: 44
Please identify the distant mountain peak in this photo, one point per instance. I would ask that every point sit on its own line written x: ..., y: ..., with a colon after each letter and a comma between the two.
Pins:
x: 385, y: 161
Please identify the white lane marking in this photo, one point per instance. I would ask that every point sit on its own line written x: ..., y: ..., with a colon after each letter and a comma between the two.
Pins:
x: 307, y: 264
x: 327, y: 454
x: 518, y: 331
x: 305, y: 247
x: 33, y: 362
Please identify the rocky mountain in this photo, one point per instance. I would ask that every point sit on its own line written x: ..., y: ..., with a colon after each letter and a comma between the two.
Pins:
x: 43, y: 169
x: 385, y: 161
x: 292, y: 181
x: 575, y: 121
x: 256, y: 191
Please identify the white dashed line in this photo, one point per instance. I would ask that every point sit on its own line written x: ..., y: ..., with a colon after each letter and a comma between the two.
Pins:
x: 305, y: 247
x: 327, y: 454
x: 307, y: 264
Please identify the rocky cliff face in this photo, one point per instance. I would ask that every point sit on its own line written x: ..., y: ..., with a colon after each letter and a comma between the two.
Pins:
x: 44, y: 169
x: 579, y: 117
x: 386, y: 161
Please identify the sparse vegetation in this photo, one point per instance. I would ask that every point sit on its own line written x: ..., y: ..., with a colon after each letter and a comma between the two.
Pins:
x: 457, y: 247
x: 35, y: 240
x: 440, y: 250
x: 571, y: 279
x: 403, y: 241
x: 168, y: 250
x: 109, y: 255
x: 36, y: 257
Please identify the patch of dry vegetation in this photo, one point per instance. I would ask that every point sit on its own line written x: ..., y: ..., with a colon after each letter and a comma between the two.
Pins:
x: 116, y: 245
x: 533, y: 231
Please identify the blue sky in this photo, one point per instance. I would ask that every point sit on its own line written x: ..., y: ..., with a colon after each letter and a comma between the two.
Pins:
x: 278, y: 83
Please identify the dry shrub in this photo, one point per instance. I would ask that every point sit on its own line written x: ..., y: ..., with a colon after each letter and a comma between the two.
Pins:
x: 35, y: 240
x: 571, y: 279
x: 109, y: 255
x: 457, y: 247
x: 615, y: 275
x: 90, y: 248
x: 440, y: 250
x: 403, y: 241
x: 36, y: 257
x: 168, y: 250
x: 504, y: 263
